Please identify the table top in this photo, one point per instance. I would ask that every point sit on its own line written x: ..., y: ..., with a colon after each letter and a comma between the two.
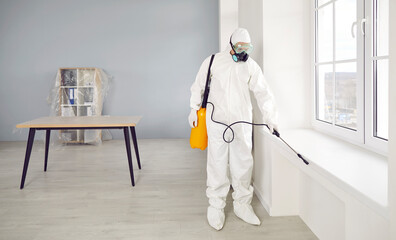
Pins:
x: 81, y: 121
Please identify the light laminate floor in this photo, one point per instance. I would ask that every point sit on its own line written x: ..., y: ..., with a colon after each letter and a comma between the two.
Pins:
x: 86, y: 194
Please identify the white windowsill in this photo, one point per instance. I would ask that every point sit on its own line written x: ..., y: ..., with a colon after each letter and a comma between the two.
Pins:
x: 356, y: 170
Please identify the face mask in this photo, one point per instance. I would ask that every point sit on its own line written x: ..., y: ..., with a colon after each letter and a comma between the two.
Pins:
x: 240, y: 57
x: 241, y: 51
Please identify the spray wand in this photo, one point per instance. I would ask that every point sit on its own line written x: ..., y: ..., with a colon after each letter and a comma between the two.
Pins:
x: 276, y: 133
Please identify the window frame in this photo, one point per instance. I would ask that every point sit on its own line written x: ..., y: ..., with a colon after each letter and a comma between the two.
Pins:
x: 364, y: 134
x: 377, y: 143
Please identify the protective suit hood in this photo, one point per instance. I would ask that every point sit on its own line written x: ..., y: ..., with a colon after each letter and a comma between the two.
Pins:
x: 240, y: 35
x: 243, y: 48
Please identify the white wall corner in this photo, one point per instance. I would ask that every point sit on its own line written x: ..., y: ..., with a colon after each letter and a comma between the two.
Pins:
x: 262, y: 169
x: 261, y: 198
x: 228, y: 21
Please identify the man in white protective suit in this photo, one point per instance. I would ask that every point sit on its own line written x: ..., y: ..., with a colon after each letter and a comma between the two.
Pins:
x: 234, y: 76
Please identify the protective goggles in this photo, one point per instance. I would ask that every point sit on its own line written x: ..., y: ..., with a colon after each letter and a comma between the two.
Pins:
x: 243, y: 47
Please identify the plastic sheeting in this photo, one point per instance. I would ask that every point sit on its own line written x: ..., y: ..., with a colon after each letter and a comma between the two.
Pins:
x: 79, y: 92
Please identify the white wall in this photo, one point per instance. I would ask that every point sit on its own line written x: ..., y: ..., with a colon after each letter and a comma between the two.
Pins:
x: 321, y: 210
x: 392, y: 118
x: 250, y: 16
x: 287, y: 57
x: 281, y: 35
x: 228, y: 19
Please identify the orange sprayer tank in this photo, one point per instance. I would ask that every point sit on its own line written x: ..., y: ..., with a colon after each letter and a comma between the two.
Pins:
x: 199, y: 135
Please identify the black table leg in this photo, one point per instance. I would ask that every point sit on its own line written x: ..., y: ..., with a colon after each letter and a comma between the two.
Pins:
x: 133, y: 132
x: 128, y: 148
x: 29, y: 147
x: 47, y: 141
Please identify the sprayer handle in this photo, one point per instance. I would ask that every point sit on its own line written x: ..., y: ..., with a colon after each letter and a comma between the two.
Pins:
x: 276, y: 133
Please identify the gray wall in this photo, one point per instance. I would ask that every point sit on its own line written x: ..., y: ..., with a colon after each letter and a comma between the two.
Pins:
x: 153, y: 49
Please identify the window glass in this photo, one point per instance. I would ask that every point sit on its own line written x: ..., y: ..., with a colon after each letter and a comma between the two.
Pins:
x: 345, y: 29
x: 321, y: 2
x: 345, y: 95
x: 325, y: 92
x: 382, y: 27
x: 325, y: 34
x: 351, y: 69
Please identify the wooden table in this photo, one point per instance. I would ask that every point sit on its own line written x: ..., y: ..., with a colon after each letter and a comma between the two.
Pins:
x: 91, y: 122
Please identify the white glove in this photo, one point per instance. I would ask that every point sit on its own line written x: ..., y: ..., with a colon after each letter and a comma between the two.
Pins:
x: 193, y: 118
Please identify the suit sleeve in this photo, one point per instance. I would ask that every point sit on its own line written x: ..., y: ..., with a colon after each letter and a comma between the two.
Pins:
x: 264, y: 97
x: 198, y: 87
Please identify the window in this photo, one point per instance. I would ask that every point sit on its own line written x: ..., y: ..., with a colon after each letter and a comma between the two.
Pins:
x: 351, y: 70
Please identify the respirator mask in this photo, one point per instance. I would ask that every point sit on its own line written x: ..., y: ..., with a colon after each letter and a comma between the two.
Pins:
x: 241, y: 51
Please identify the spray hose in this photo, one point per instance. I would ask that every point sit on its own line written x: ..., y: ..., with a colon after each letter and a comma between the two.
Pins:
x: 229, y: 127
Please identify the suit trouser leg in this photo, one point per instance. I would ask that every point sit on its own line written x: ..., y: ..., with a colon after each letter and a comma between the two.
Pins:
x: 241, y: 167
x: 217, y: 179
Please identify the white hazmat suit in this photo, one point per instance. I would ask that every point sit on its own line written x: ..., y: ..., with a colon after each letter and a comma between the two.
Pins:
x: 230, y: 89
